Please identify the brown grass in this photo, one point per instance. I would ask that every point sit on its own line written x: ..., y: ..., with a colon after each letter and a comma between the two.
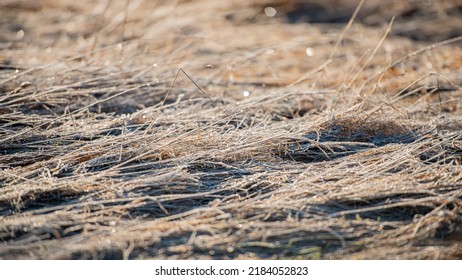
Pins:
x: 353, y: 152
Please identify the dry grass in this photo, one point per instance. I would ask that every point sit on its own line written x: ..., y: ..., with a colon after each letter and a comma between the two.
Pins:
x: 353, y: 151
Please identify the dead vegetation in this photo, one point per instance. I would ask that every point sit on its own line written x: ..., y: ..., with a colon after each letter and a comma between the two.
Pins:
x: 312, y: 139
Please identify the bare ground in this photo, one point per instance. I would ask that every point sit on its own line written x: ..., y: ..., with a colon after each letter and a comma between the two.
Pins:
x: 313, y: 138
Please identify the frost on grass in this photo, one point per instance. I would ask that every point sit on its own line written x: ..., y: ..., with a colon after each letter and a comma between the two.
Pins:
x: 350, y: 151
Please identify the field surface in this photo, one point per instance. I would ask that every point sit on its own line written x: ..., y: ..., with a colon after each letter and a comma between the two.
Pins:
x: 272, y: 129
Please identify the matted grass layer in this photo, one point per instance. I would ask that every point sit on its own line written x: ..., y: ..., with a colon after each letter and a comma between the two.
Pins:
x: 211, y: 129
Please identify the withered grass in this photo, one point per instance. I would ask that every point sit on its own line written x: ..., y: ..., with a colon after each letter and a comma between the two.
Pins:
x: 349, y: 152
